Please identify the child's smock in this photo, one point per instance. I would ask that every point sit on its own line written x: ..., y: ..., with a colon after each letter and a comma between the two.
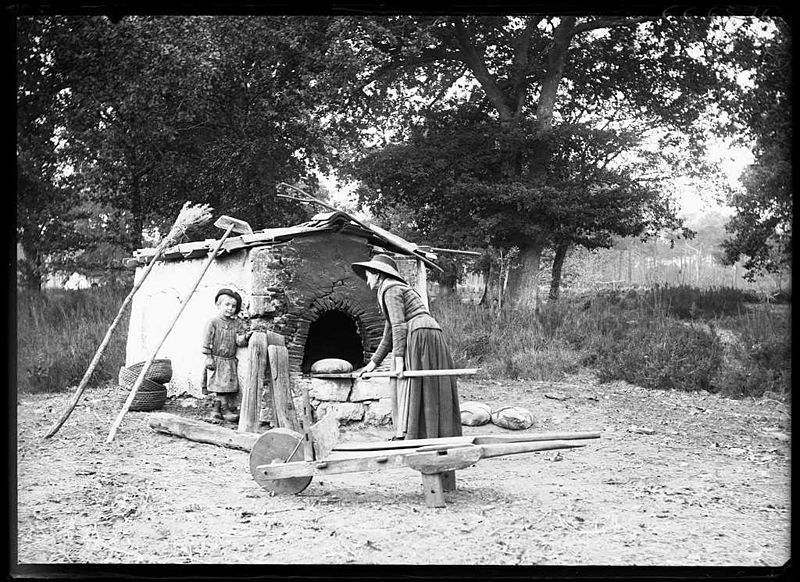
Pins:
x: 220, y: 340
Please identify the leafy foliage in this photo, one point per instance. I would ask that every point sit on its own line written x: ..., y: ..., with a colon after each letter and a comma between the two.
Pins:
x: 761, y: 230
x: 138, y: 116
x: 512, y: 131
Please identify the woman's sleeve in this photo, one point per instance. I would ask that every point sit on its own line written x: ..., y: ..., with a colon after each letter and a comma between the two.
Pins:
x: 396, y: 312
x: 208, y: 338
x: 385, y: 345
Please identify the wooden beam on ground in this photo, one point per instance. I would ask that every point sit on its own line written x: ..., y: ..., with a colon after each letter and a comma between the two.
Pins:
x: 325, y: 432
x: 202, y: 432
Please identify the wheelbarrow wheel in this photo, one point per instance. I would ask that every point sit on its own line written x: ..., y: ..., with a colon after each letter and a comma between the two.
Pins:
x: 278, y: 445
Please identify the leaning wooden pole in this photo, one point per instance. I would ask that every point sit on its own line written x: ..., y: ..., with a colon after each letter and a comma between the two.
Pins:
x: 149, y: 362
x: 187, y: 218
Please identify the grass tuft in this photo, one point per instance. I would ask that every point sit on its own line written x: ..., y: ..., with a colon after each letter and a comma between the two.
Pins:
x: 58, y: 333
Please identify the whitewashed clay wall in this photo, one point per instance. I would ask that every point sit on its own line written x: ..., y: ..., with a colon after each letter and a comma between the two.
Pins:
x: 155, y: 304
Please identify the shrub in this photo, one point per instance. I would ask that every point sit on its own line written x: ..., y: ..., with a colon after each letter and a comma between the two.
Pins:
x: 632, y: 335
x: 58, y: 333
x: 760, y: 361
x: 660, y: 353
x: 685, y: 302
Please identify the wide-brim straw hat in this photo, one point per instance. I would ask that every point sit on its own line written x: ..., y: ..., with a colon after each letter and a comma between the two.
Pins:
x: 380, y: 263
x: 231, y: 293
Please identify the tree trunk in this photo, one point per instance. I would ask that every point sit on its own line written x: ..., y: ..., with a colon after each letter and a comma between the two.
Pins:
x: 488, y: 287
x: 558, y: 264
x: 29, y: 269
x: 522, y: 290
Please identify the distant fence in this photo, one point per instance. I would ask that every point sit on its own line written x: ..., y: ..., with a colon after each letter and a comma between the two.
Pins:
x: 644, y: 266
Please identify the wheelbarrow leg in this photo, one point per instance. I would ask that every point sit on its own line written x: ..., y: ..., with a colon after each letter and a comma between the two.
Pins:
x: 449, y: 480
x: 433, y: 484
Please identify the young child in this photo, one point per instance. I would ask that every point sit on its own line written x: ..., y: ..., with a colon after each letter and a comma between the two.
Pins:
x: 221, y: 337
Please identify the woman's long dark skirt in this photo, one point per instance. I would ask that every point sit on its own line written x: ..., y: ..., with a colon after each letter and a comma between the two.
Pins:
x: 433, y: 409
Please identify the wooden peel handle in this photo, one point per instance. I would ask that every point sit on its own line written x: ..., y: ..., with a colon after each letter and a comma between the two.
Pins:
x: 407, y: 374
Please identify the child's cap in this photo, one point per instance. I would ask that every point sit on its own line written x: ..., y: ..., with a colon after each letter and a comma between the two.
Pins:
x: 234, y: 294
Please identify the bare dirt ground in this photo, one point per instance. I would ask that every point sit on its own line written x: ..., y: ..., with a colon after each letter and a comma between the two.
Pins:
x: 677, y: 479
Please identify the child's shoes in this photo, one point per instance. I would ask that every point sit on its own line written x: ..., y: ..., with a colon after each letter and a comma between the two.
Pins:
x: 216, y: 412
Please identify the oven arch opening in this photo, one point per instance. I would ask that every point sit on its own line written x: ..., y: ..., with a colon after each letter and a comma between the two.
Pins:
x: 334, y: 334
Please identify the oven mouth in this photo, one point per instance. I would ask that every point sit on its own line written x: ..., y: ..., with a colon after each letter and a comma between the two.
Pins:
x: 334, y: 334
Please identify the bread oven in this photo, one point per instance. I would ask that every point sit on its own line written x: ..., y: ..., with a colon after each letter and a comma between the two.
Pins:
x: 294, y: 281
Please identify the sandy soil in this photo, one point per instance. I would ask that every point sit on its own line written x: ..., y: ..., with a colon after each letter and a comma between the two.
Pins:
x: 676, y: 479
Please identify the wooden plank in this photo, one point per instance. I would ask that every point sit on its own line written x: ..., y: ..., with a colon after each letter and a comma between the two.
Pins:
x: 400, y: 445
x: 325, y: 435
x: 407, y: 373
x: 202, y: 432
x: 492, y: 439
x: 251, y: 390
x: 285, y: 413
x: 389, y: 460
x: 489, y: 451
x: 484, y: 439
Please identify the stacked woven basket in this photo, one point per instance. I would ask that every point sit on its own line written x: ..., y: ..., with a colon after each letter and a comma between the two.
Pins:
x: 152, y: 394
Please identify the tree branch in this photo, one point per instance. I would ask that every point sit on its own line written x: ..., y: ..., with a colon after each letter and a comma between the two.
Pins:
x: 478, y: 67
x: 520, y: 62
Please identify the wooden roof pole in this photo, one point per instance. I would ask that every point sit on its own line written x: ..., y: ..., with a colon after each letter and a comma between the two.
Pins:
x: 394, y: 239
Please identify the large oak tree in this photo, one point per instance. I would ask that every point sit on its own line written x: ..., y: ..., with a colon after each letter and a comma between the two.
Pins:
x: 537, y: 72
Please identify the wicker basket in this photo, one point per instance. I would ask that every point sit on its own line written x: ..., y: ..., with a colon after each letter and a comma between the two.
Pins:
x: 160, y: 374
x: 148, y: 400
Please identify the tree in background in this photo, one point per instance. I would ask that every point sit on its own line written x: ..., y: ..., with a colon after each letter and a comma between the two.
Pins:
x: 761, y: 229
x: 47, y: 208
x: 136, y: 117
x: 450, y: 171
x: 529, y: 74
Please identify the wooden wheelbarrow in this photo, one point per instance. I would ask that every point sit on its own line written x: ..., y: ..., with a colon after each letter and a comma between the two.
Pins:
x: 436, y: 459
x: 279, y: 466
x: 284, y: 461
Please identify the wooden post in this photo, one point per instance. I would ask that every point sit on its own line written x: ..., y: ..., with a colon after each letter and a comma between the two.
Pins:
x: 422, y: 282
x: 285, y: 414
x: 251, y: 391
x: 434, y: 489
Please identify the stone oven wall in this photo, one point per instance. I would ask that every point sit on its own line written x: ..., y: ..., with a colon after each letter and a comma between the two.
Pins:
x: 295, y: 283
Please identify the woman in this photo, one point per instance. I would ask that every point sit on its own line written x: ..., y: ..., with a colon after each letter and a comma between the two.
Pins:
x: 427, y: 407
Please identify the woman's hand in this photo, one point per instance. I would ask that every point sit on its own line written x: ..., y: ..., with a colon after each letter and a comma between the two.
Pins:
x: 210, y: 365
x: 366, y: 369
x: 399, y: 367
